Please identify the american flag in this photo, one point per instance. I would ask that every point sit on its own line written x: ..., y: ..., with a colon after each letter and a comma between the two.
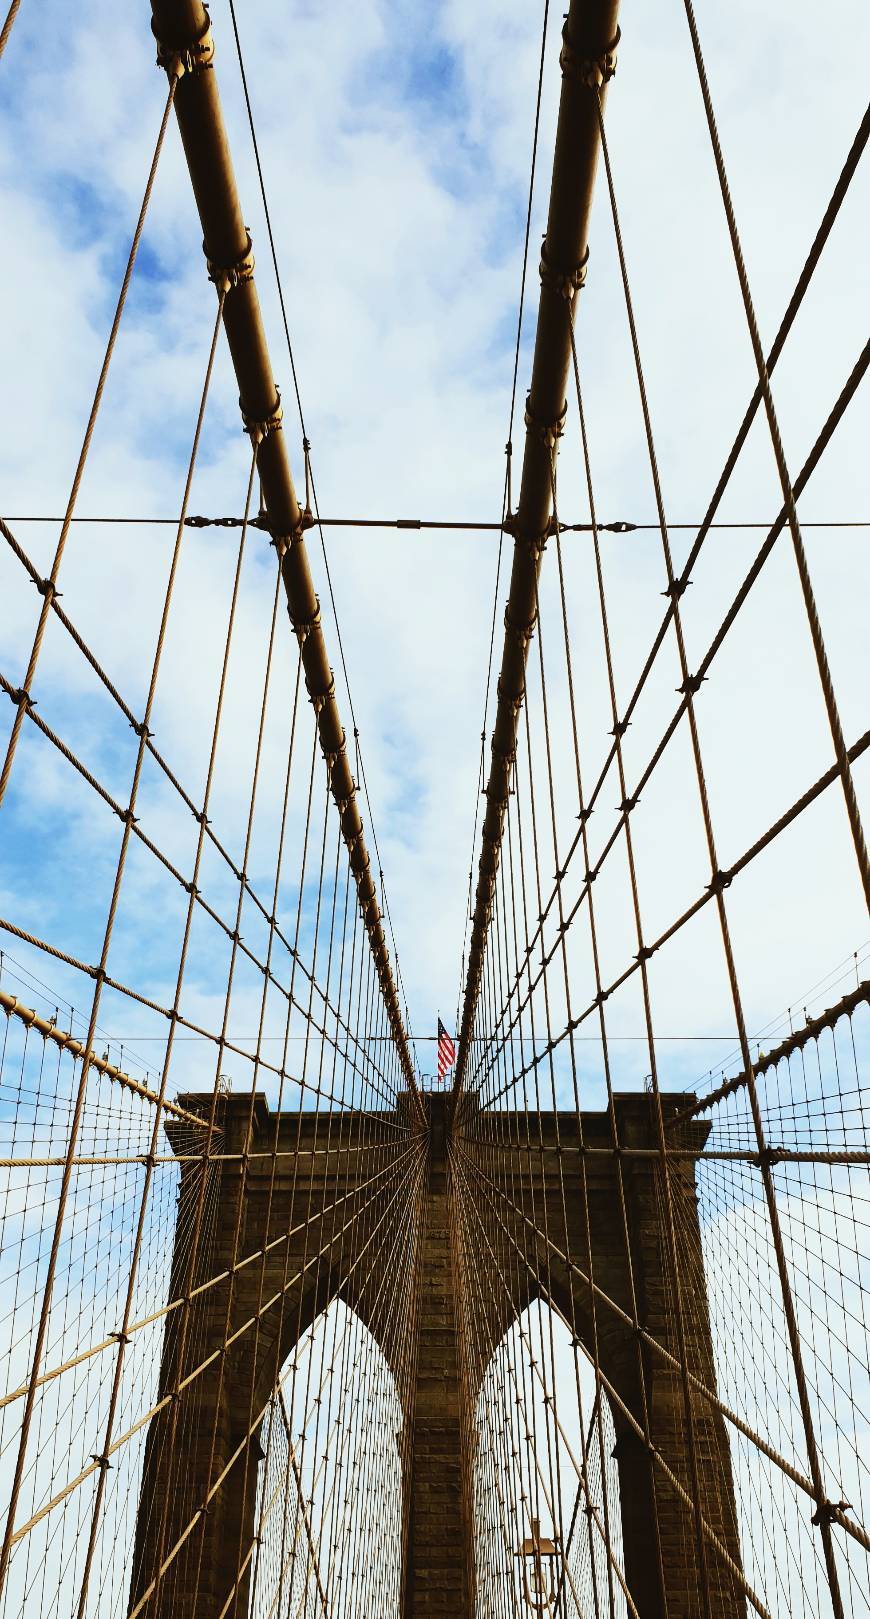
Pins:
x: 446, y: 1052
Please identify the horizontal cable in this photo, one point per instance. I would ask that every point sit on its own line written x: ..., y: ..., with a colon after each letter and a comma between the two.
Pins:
x: 839, y: 1516
x: 680, y: 922
x: 211, y: 1283
x: 464, y: 525
x: 49, y: 1031
x: 845, y: 396
x: 199, y: 816
x: 814, y: 1026
x: 245, y: 1438
x: 205, y: 1034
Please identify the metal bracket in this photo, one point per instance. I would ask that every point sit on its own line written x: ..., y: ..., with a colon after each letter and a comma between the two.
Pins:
x: 515, y: 703
x: 566, y: 283
x: 194, y: 58
x: 227, y: 276
x: 593, y: 72
x: 303, y: 627
x: 319, y: 699
x: 692, y: 684
x: 522, y: 633
x: 828, y: 1510
x: 549, y: 433
x: 258, y: 430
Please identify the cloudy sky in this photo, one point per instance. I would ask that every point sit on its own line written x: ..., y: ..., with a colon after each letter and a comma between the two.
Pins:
x: 396, y: 147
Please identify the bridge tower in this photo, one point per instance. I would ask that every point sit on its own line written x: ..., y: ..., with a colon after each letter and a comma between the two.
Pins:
x: 643, y: 1388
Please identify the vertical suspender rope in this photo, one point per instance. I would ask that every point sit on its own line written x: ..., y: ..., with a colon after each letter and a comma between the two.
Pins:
x: 590, y: 37
x: 181, y: 28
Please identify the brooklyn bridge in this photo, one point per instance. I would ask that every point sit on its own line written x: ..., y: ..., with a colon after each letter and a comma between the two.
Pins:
x: 322, y: 1299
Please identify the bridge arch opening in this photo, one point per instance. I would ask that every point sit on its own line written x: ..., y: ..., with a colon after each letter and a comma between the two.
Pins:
x: 543, y: 1447
x: 329, y: 1512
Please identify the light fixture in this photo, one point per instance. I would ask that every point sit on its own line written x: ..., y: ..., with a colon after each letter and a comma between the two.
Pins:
x: 538, y: 1556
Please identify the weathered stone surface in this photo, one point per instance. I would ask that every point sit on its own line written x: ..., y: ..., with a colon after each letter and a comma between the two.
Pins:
x: 535, y: 1163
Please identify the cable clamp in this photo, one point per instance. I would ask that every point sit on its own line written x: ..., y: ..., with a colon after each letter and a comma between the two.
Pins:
x: 227, y: 276
x: 720, y: 881
x: 127, y: 816
x: 619, y: 728
x: 303, y: 627
x: 120, y: 1337
x: 676, y: 588
x: 567, y: 283
x: 257, y: 430
x: 515, y: 703
x: 522, y: 633
x: 319, y: 699
x: 628, y: 804
x: 47, y: 589
x: 332, y: 756
x: 693, y: 684
x: 294, y: 536
x: 141, y: 729
x: 644, y: 953
x: 549, y: 433
x: 768, y: 1159
x: 584, y: 815
x: 593, y: 72
x: 101, y: 1461
x: 827, y: 1512
x: 21, y: 698
x: 197, y: 57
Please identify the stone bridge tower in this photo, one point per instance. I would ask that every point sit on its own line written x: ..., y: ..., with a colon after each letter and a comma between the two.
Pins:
x: 438, y: 1573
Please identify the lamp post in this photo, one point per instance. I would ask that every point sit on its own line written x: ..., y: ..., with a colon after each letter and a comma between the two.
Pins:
x: 538, y: 1556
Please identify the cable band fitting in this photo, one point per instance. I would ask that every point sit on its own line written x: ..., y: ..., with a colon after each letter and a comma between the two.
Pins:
x: 567, y: 283
x: 593, y: 72
x: 522, y: 633
x: 258, y: 430
x: 319, y: 699
x: 549, y: 433
x: 227, y: 276
x: 303, y: 627
x: 195, y: 58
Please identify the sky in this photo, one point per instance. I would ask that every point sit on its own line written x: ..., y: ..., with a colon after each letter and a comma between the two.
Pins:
x: 396, y: 152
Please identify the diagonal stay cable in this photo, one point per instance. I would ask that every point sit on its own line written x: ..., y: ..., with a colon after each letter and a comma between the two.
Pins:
x: 506, y: 496
x: 309, y: 472
x: 23, y: 697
